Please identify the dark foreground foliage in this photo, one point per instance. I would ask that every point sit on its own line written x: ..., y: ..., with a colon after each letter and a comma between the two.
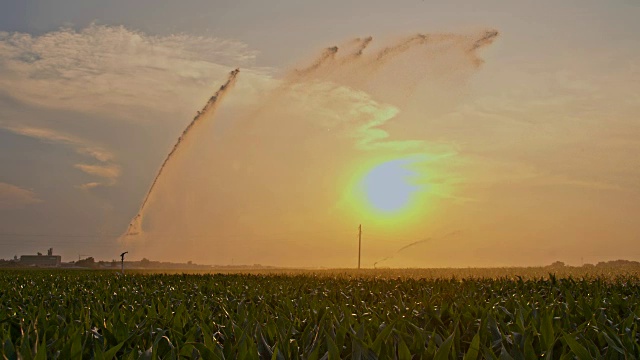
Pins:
x: 102, y: 315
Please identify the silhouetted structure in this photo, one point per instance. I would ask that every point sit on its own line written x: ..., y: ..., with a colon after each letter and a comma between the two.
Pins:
x: 48, y: 260
x: 359, y: 243
x: 122, y: 257
x: 89, y: 262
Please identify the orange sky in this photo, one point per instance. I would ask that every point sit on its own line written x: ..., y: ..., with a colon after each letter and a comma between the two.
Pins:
x: 287, y: 179
x: 456, y: 148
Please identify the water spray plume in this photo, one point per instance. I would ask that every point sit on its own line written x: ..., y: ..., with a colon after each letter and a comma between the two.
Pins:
x: 327, y: 55
x: 363, y: 45
x: 356, y: 69
x: 353, y: 63
x: 293, y: 157
x: 487, y: 39
x: 412, y: 244
x: 388, y: 52
x: 356, y: 47
x: 135, y: 227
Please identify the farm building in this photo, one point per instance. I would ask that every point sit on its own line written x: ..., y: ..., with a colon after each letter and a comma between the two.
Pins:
x: 48, y: 260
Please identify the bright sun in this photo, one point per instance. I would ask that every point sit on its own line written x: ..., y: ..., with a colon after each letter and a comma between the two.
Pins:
x: 392, y: 192
x: 387, y: 186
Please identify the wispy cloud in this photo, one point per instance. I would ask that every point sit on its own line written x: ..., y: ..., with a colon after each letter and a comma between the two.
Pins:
x: 89, y: 185
x: 110, y: 69
x: 108, y: 73
x: 81, y: 146
x: 105, y: 168
x: 109, y: 171
x: 15, y: 197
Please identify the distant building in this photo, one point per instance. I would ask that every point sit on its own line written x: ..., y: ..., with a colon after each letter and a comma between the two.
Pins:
x: 48, y: 260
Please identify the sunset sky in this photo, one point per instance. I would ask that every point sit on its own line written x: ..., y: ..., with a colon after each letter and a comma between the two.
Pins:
x: 464, y: 149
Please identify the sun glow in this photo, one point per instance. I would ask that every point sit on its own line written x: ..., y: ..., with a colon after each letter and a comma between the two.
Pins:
x: 391, y: 192
x: 387, y: 186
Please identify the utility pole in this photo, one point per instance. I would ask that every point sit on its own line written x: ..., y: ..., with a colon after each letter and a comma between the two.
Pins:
x: 359, y: 244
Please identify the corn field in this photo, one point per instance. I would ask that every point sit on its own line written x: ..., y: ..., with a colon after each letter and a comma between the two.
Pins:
x: 103, y: 315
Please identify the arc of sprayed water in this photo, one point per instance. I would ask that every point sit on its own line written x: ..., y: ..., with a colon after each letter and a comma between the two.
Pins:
x: 363, y: 45
x: 209, y: 107
x: 487, y: 39
x: 327, y: 55
x: 328, y: 62
x: 412, y: 244
x: 355, y: 48
x: 391, y: 51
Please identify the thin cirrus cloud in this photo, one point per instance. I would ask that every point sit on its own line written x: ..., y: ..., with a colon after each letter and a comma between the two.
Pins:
x: 111, y: 69
x: 15, y: 197
x: 106, y: 169
x: 89, y: 185
x: 109, y: 172
x: 107, y: 72
x: 81, y: 146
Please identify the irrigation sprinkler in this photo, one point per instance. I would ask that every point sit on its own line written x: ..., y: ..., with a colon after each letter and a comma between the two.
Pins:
x: 122, y: 260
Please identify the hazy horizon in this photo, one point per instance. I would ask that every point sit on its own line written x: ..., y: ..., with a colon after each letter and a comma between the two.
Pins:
x: 458, y: 135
